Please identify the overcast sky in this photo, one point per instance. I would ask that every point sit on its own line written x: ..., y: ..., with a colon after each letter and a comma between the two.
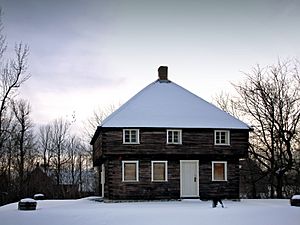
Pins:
x: 90, y: 53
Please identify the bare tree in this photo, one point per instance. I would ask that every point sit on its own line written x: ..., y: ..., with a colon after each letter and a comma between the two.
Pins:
x: 67, y: 157
x: 74, y: 154
x: 45, y: 145
x: 22, y: 137
x: 16, y: 139
x: 227, y: 103
x: 60, y: 134
x: 270, y: 99
x: 12, y: 75
x: 96, y: 120
x: 79, y: 155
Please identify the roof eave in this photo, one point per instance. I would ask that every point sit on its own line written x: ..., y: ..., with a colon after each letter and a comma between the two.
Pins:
x: 96, y: 134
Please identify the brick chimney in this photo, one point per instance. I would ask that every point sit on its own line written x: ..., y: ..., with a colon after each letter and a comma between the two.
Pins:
x: 163, y: 73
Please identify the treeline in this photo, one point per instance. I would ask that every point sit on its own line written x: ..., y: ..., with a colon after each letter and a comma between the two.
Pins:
x: 46, y: 159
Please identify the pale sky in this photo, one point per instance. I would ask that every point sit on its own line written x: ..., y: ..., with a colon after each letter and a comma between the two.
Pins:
x: 90, y: 53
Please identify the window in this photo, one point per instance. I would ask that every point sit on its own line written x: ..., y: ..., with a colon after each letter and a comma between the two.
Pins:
x: 173, y: 136
x: 159, y: 170
x: 130, y: 171
x: 222, y: 137
x: 131, y: 136
x: 219, y: 171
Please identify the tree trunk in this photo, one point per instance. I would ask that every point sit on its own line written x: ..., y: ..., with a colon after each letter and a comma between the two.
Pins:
x: 58, y: 167
x: 80, y: 174
x: 272, y: 191
x: 22, y: 159
x: 279, y: 186
x: 254, y: 194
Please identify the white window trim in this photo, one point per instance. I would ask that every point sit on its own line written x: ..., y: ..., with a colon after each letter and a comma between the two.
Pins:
x: 180, y: 137
x: 137, y: 138
x: 228, y: 137
x: 213, y: 170
x: 137, y: 171
x: 166, y: 171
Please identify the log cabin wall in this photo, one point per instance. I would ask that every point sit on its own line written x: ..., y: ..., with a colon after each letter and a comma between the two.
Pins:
x: 153, y: 141
x: 97, y: 150
x: 197, y: 144
x: 209, y: 188
x: 116, y: 189
x: 143, y: 189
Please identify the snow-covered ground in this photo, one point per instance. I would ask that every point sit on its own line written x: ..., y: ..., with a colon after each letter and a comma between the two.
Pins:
x: 87, y: 212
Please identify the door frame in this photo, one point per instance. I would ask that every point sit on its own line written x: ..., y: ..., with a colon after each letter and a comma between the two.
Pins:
x: 181, y: 180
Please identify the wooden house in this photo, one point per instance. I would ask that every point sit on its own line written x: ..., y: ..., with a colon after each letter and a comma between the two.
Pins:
x: 167, y: 143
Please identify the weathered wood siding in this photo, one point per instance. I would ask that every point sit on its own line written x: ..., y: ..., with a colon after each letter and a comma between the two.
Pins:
x: 209, y: 188
x: 97, y: 150
x: 197, y: 144
x: 116, y: 189
x: 153, y: 141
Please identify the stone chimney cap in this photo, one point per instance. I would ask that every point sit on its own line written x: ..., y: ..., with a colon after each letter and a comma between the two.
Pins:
x: 163, y: 73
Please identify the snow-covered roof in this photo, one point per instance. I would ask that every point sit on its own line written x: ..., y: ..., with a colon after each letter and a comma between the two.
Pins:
x: 165, y: 104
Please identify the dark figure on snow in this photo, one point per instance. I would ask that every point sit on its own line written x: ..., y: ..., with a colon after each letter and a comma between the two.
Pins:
x: 218, y: 198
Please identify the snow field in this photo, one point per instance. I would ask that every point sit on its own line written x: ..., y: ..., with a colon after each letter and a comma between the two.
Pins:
x: 87, y: 212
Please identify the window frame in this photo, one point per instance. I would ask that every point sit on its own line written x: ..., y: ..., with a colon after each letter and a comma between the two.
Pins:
x: 137, y: 170
x: 130, y: 136
x: 179, y: 136
x: 166, y: 171
x: 227, y: 137
x: 213, y: 170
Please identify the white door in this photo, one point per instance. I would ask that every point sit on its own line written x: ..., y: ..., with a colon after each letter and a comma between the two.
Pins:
x: 189, y: 178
